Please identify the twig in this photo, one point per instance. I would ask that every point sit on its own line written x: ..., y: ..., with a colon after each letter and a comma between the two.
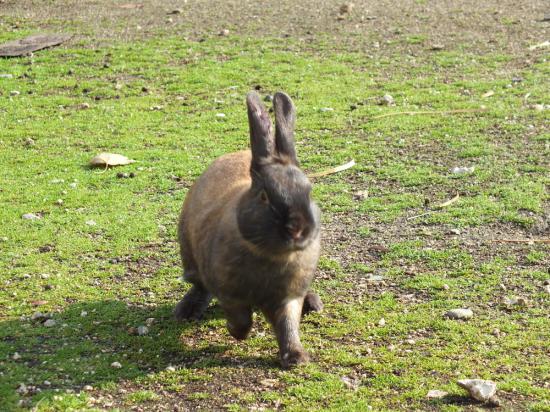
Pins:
x: 430, y: 112
x: 334, y: 169
x: 423, y: 214
x: 522, y: 240
x: 448, y: 202
x: 440, y: 206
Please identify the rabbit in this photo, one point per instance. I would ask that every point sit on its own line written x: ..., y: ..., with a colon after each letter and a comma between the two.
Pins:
x: 249, y: 234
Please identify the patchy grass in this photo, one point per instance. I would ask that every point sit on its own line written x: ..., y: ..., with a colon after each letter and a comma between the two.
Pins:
x: 103, y: 260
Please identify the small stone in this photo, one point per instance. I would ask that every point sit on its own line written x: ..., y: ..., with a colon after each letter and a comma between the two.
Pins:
x: 83, y: 314
x: 15, y: 93
x: 269, y: 383
x: 495, y: 332
x: 88, y: 388
x: 445, y: 287
x: 170, y: 368
x: 351, y: 383
x: 50, y: 323
x: 361, y: 195
x: 156, y: 108
x: 22, y: 389
x: 224, y: 33
x: 459, y: 314
x: 142, y: 330
x: 346, y: 8
x: 437, y: 47
x: 220, y: 115
x: 411, y: 341
x: 3, y: 239
x: 29, y: 141
x: 73, y: 185
x: 547, y: 288
x: 436, y: 394
x: 116, y: 365
x: 31, y: 216
x: 47, y: 383
x: 386, y: 100
x: 326, y: 109
x: 382, y: 322
x: 39, y: 316
x: 454, y: 231
x: 461, y: 170
x: 479, y: 389
x: 59, y: 202
x: 132, y: 331
x: 44, y: 276
x: 149, y: 321
x: 16, y: 356
x: 91, y: 222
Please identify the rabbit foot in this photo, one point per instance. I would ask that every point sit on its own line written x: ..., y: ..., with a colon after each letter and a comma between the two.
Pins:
x: 193, y: 305
x: 294, y: 358
x: 312, y: 303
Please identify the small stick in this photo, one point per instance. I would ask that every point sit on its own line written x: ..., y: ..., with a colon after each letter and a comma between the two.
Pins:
x: 448, y: 202
x: 334, y: 169
x: 440, y: 206
x: 481, y: 109
x: 522, y: 240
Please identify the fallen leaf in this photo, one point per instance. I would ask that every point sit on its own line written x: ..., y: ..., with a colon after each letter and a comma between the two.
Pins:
x: 110, y: 159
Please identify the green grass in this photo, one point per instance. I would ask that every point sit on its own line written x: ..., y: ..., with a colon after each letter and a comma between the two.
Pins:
x: 156, y: 102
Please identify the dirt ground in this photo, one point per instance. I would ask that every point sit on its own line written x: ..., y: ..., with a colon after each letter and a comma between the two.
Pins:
x: 364, y: 25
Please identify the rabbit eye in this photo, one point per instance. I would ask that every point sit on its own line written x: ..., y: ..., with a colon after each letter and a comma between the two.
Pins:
x: 263, y: 197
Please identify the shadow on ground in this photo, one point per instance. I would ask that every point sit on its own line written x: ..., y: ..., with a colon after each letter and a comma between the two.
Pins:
x: 87, y: 338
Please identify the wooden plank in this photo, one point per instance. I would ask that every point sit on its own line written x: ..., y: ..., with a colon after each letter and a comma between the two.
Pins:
x: 31, y: 44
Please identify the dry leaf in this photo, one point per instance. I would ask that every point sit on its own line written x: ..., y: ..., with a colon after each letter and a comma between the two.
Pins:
x: 110, y: 159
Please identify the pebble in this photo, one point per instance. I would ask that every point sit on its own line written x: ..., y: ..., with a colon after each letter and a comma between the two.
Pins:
x: 16, y: 356
x: 445, y: 287
x: 220, y: 115
x: 170, y: 368
x: 386, y: 100
x: 83, y: 314
x: 382, y: 322
x: 156, y: 108
x: 346, y: 8
x: 454, y: 231
x: 224, y: 33
x: 436, y: 394
x: 59, y: 202
x: 116, y: 365
x: 22, y: 389
x: 142, y: 330
x: 44, y: 276
x: 326, y: 109
x: 31, y: 216
x: 50, y: 323
x: 88, y: 388
x: 461, y: 170
x: 479, y: 389
x: 73, y: 185
x: 38, y: 316
x: 15, y: 93
x: 436, y: 47
x: 47, y: 383
x: 351, y: 383
x: 3, y: 239
x: 410, y: 341
x: 459, y: 314
x: 91, y: 222
x: 361, y: 195
x: 547, y: 289
x: 150, y: 321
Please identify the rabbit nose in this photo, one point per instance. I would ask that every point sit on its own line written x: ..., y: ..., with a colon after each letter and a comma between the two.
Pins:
x: 296, y: 233
x: 296, y: 229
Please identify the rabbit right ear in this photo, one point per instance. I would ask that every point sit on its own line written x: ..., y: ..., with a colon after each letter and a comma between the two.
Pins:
x: 262, y: 141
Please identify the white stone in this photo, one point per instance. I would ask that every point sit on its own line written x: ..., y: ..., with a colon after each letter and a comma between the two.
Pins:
x: 459, y: 314
x: 50, y: 323
x: 436, y: 394
x: 116, y: 365
x: 479, y: 389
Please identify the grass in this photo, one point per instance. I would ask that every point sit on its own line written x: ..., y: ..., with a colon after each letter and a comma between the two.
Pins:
x: 104, y: 259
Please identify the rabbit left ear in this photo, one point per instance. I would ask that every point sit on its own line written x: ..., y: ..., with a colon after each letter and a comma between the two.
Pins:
x: 285, y: 119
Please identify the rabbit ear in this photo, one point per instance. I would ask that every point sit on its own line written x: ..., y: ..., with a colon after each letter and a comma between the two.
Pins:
x: 261, y: 135
x: 285, y: 118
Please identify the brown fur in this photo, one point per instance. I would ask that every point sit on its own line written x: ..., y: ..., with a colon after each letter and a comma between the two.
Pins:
x: 243, y: 275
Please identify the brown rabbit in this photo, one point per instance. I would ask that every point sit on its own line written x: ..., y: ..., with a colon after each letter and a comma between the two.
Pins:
x: 249, y: 234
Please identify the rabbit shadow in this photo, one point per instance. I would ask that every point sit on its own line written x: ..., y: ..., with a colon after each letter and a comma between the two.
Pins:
x: 81, y: 348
